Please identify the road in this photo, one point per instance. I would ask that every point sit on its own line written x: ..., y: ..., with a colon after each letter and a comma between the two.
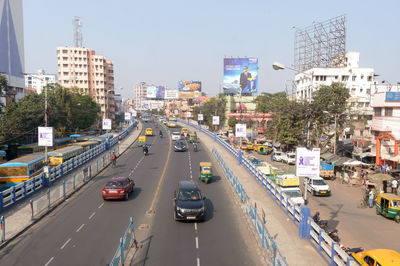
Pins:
x: 85, y: 230
x: 356, y: 226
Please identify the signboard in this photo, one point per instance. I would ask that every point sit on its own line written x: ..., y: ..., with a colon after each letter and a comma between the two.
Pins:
x: 171, y: 94
x: 184, y: 85
x: 392, y: 96
x: 200, y: 117
x: 176, y: 112
x: 307, y: 162
x: 188, y: 114
x: 215, y: 120
x: 189, y: 94
x: 128, y: 116
x: 240, y: 131
x: 133, y: 112
x: 45, y: 136
x: 155, y: 92
x: 106, y: 124
x: 240, y: 74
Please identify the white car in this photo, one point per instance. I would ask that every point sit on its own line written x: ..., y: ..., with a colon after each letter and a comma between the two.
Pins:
x: 295, y: 194
x: 317, y: 186
x: 277, y: 156
x: 291, y: 158
x: 176, y: 135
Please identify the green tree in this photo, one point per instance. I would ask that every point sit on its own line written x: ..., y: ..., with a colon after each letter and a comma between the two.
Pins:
x: 4, y: 88
x: 232, y: 121
x: 214, y: 106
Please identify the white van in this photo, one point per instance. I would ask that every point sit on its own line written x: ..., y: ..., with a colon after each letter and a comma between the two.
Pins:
x: 295, y: 194
x: 317, y: 186
x: 291, y: 158
x: 277, y: 156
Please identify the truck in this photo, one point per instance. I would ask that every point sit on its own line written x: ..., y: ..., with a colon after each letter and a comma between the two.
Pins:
x: 326, y: 170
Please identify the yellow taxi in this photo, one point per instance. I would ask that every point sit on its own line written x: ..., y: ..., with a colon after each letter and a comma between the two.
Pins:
x: 184, y: 130
x: 377, y: 257
x: 148, y: 132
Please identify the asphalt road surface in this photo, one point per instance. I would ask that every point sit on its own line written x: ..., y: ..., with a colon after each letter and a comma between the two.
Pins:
x: 85, y: 230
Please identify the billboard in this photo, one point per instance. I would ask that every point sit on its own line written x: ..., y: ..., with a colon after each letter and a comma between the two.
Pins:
x: 155, y: 92
x: 184, y: 85
x: 106, y: 124
x: 128, y: 116
x: 240, y: 131
x: 45, y: 136
x: 240, y: 74
x: 171, y: 94
x: 307, y: 162
x: 215, y: 120
x: 189, y: 94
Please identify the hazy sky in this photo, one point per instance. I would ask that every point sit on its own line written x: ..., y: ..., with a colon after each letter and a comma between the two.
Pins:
x: 161, y: 42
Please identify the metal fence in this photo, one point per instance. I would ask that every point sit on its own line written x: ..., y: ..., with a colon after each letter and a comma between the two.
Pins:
x: 125, y: 244
x: 319, y: 239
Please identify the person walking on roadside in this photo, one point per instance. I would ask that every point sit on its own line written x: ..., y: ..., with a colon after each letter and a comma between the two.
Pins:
x: 371, y: 198
x: 394, y: 186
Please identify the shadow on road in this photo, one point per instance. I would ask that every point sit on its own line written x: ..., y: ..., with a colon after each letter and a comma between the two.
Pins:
x: 143, y: 256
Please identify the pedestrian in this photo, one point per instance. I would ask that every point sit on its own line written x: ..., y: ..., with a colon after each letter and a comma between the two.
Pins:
x: 371, y: 198
x: 366, y: 176
x: 384, y: 183
x: 394, y: 186
x: 363, y: 176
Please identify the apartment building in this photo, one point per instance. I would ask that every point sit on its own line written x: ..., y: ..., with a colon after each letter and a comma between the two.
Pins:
x: 139, y: 95
x: 91, y: 74
x: 39, y: 81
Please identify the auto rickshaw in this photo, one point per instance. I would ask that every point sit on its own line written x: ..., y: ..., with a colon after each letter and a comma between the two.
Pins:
x: 205, y: 172
x: 148, y: 132
x: 184, y: 130
x: 142, y: 140
x: 192, y: 138
x: 263, y: 150
x: 388, y: 205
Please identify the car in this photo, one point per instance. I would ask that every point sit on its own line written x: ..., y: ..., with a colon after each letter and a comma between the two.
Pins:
x: 291, y: 158
x: 176, y: 135
x: 188, y: 202
x: 148, y: 132
x: 184, y: 130
x: 294, y: 193
x: 277, y: 156
x: 377, y: 257
x: 180, y: 146
x: 118, y: 188
x: 317, y: 186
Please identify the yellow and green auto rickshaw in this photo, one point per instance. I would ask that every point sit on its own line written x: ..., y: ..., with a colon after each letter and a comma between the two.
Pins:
x: 264, y: 150
x: 205, y: 172
x: 142, y: 140
x: 388, y: 205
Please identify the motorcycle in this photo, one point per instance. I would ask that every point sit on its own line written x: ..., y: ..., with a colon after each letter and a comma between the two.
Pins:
x: 195, y: 147
x: 334, y: 235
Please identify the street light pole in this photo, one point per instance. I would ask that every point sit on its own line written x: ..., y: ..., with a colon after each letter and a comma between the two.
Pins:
x: 45, y: 117
x: 334, y: 143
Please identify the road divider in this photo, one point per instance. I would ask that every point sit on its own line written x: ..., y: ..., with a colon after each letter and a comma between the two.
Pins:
x: 126, y: 242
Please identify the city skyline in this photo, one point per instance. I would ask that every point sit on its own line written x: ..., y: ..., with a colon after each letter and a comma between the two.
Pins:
x: 162, y: 43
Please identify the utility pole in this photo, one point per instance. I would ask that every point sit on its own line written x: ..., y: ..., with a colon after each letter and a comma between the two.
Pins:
x: 334, y: 143
x: 45, y: 117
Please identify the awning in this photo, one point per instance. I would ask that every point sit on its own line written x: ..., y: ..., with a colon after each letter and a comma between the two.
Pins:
x: 341, y: 161
x: 326, y: 155
x: 352, y: 163
x: 333, y: 159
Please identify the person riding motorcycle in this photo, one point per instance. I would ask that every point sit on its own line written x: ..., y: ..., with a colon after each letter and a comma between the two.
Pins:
x: 194, y: 146
x: 113, y: 159
x: 145, y: 149
x: 160, y: 133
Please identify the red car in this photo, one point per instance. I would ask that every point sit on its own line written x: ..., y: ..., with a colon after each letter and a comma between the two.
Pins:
x: 118, y: 188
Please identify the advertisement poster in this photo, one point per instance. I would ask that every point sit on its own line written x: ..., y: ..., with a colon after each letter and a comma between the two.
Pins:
x: 171, y: 94
x: 133, y: 112
x: 127, y: 116
x: 240, y: 131
x: 155, y: 92
x: 240, y: 74
x: 189, y: 94
x: 188, y: 114
x: 45, y: 136
x: 200, y: 117
x: 307, y: 162
x: 184, y: 85
x: 107, y: 124
x: 215, y: 120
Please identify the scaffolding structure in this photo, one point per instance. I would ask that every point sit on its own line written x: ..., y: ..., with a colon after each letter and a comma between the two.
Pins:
x: 323, y: 44
x: 78, y: 36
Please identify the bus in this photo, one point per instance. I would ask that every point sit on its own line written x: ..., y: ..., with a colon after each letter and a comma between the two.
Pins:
x: 20, y: 169
x: 86, y: 145
x: 62, y: 155
x: 79, y: 138
x: 34, y: 147
x: 3, y: 157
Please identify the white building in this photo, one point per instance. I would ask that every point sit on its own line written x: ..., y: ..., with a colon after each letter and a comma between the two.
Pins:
x: 358, y: 80
x: 139, y: 95
x: 39, y: 81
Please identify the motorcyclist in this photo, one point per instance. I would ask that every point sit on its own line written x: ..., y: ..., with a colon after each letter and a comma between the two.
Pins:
x: 316, y: 218
x: 145, y: 149
x: 160, y: 133
x: 194, y: 146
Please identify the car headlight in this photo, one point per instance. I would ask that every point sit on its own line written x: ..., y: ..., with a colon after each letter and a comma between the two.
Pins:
x: 180, y: 210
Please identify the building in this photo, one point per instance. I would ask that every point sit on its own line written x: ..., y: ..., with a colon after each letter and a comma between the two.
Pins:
x: 358, y: 80
x: 118, y: 104
x: 386, y: 124
x: 90, y: 73
x: 39, y: 81
x: 139, y: 95
x: 12, y: 60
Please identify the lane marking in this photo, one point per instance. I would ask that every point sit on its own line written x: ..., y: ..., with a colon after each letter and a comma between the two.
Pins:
x: 195, y: 226
x: 101, y: 205
x: 162, y: 178
x: 50, y: 260
x: 197, y: 242
x: 80, y: 227
x: 63, y: 246
x: 91, y: 216
x: 198, y: 261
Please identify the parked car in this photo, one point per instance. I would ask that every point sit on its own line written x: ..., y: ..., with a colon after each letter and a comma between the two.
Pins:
x: 377, y: 257
x: 118, y: 188
x: 188, y: 202
x: 176, y: 135
x: 277, y: 156
x: 317, y: 186
x: 180, y: 146
x: 291, y: 158
x: 295, y: 194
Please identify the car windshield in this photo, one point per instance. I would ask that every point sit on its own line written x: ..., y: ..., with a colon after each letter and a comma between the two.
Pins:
x: 293, y: 193
x: 114, y: 184
x: 180, y: 144
x: 189, y: 195
x: 319, y: 182
x: 206, y: 168
x: 176, y: 133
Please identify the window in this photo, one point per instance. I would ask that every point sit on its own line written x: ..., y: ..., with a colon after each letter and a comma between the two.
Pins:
x: 378, y: 111
x: 317, y: 78
x: 366, y: 104
x: 368, y: 91
x: 345, y: 78
x: 369, y: 78
x: 336, y: 77
x: 388, y: 111
x: 353, y: 91
x: 361, y: 90
x: 353, y: 78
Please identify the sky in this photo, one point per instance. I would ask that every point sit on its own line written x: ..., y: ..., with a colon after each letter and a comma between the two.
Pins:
x: 162, y: 42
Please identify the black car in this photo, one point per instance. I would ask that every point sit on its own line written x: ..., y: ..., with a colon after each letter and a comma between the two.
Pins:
x: 179, y: 146
x: 188, y: 202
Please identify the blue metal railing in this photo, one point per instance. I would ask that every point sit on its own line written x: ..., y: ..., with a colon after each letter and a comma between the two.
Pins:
x: 125, y: 244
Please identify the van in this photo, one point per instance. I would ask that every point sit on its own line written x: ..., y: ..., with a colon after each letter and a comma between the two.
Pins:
x: 317, y: 186
x: 291, y: 158
x: 295, y: 194
x: 278, y: 155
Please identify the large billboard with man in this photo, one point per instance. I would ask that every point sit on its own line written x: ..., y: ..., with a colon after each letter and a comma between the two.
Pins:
x: 240, y: 74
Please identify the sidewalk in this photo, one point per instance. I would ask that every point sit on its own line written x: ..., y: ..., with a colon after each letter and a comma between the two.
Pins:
x: 297, y: 251
x: 19, y: 217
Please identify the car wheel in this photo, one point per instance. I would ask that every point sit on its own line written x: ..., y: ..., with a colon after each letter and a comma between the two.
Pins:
x: 313, y: 193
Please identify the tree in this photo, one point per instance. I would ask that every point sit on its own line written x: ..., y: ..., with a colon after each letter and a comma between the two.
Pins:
x: 4, y: 88
x: 214, y: 106
x: 232, y: 121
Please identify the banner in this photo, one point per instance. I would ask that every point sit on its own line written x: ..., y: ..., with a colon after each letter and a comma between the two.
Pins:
x: 215, y: 120
x: 189, y: 94
x: 307, y: 162
x: 240, y: 74
x: 240, y: 131
x: 134, y: 114
x: 106, y: 124
x: 184, y: 85
x: 45, y: 136
x: 200, y: 117
x: 127, y: 116
x: 188, y: 114
x: 155, y: 92
x: 171, y: 94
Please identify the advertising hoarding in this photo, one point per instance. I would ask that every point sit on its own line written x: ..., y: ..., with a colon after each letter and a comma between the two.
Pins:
x: 215, y: 120
x: 188, y: 114
x: 184, y: 85
x: 200, y: 117
x: 307, y: 162
x: 240, y: 74
x: 155, y: 92
x: 107, y: 124
x: 240, y: 131
x: 171, y: 94
x: 45, y: 136
x: 128, y: 116
x: 189, y: 94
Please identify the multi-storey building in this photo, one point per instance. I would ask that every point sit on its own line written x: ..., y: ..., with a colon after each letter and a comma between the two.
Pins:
x: 91, y: 74
x: 39, y: 81
x: 139, y: 95
x: 12, y: 63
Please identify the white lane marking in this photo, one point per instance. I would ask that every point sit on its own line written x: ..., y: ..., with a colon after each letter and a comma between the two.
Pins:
x: 195, y: 226
x: 50, y: 260
x: 198, y: 261
x: 66, y: 242
x: 91, y: 216
x: 80, y: 227
x: 197, y: 242
x: 101, y: 205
